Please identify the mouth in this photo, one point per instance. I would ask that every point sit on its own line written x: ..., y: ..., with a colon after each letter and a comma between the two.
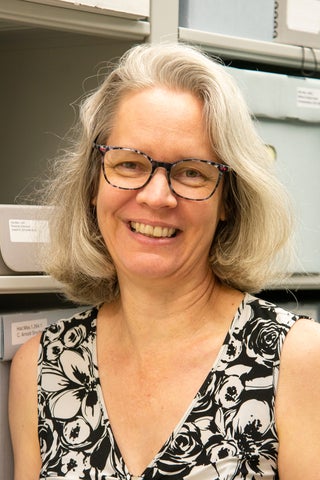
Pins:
x: 151, y: 231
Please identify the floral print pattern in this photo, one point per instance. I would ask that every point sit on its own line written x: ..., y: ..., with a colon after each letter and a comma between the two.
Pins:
x: 228, y: 432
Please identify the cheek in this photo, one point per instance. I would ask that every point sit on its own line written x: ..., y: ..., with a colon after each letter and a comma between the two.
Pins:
x: 219, y: 204
x: 206, y: 223
x: 111, y: 204
x: 210, y: 218
x: 217, y: 211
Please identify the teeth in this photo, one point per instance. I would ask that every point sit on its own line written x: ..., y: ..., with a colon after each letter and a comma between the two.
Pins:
x: 150, y: 231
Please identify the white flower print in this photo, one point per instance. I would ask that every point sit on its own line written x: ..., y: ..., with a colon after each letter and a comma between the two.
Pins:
x: 252, y: 418
x: 72, y: 462
x: 229, y: 430
x: 74, y: 336
x: 76, y: 432
x: 53, y: 333
x: 74, y: 387
x: 232, y: 351
x: 229, y: 393
x: 54, y: 350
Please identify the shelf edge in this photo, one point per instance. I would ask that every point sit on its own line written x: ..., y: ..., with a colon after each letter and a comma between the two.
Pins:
x: 251, y: 50
x: 73, y: 20
x: 28, y: 284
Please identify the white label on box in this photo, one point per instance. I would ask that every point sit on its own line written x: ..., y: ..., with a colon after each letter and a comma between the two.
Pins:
x: 22, y: 331
x: 308, y: 97
x: 29, y: 231
x: 304, y: 15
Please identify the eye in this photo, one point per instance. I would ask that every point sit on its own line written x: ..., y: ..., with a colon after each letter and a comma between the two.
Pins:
x: 193, y: 173
x: 127, y: 163
x: 130, y: 168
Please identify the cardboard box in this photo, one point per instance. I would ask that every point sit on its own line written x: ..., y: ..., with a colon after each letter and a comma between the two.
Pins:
x: 287, y: 113
x: 239, y: 18
x: 23, y: 230
x: 297, y: 22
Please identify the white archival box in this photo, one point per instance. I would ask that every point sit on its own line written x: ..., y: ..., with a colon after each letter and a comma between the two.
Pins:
x: 240, y: 18
x: 23, y: 230
x: 287, y: 112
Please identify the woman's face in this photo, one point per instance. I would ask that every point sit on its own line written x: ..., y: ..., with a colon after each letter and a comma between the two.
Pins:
x: 168, y: 125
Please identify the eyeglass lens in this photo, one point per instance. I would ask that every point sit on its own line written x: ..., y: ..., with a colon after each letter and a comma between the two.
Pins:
x: 192, y: 179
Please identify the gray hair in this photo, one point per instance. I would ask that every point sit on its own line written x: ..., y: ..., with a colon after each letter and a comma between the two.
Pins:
x: 249, y: 249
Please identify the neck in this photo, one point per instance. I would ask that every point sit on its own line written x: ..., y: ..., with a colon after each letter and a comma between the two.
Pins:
x: 156, y: 315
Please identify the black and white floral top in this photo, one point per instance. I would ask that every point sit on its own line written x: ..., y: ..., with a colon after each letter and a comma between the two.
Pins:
x: 227, y: 433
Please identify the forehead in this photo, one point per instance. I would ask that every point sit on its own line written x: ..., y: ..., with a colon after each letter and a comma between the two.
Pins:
x: 157, y: 119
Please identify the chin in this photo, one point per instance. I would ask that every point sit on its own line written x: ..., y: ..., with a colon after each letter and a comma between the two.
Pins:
x: 151, y: 269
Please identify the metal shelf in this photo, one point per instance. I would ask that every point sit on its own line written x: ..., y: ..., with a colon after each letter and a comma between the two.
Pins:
x: 139, y: 9
x: 46, y: 284
x: 252, y: 50
x: 20, y: 13
x: 28, y: 284
x: 300, y: 282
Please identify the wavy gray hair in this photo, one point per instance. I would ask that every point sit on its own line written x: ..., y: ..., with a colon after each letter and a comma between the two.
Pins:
x: 249, y: 249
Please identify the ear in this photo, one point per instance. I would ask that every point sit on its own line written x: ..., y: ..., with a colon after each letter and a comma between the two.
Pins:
x: 223, y: 203
x: 223, y: 211
x: 225, y: 200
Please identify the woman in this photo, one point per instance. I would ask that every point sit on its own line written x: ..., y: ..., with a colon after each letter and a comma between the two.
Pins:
x: 167, y: 215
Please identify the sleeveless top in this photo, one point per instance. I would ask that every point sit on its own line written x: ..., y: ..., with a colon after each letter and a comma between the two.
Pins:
x: 227, y: 433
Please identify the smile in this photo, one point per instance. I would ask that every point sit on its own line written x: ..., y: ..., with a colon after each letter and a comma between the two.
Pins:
x: 150, y: 231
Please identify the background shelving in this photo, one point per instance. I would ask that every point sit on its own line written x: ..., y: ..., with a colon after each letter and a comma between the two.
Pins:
x: 251, y: 50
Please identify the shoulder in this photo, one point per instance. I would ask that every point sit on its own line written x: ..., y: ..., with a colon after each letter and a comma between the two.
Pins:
x: 301, y: 351
x: 24, y: 362
x: 263, y: 309
x: 67, y: 333
x: 263, y: 327
x: 300, y: 365
x: 297, y: 402
x: 263, y: 316
x: 67, y: 328
x: 300, y: 359
x: 298, y: 335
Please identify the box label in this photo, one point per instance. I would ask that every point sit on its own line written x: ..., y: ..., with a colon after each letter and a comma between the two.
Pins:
x: 308, y: 97
x: 29, y: 231
x: 22, y: 331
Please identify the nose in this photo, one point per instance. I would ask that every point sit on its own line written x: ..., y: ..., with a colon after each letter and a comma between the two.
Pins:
x: 157, y: 193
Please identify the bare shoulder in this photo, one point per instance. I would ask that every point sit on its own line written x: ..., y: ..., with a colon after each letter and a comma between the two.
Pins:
x: 297, y: 400
x: 23, y: 417
x: 23, y: 371
x: 302, y: 345
x: 27, y: 355
x: 300, y: 359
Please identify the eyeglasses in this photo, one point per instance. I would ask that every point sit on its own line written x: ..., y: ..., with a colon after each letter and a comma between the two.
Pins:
x: 131, y: 169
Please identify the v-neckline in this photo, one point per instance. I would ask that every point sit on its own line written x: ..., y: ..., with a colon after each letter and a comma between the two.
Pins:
x: 175, y: 432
